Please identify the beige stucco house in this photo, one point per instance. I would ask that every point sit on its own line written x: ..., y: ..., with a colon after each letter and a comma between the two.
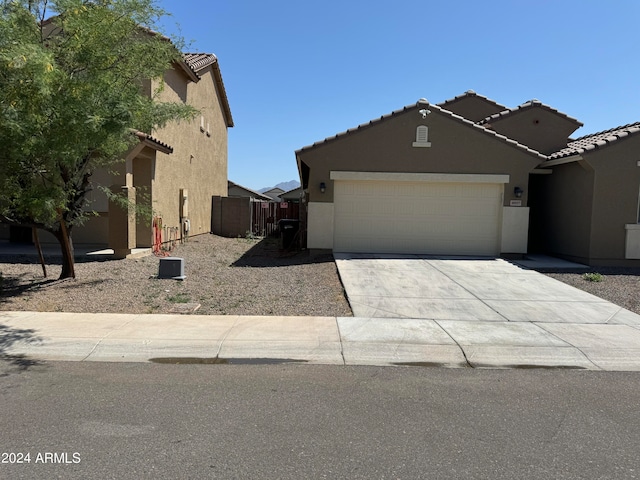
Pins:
x: 175, y: 170
x: 472, y: 177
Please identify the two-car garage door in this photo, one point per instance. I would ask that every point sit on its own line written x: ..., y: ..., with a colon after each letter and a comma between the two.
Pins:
x: 443, y: 218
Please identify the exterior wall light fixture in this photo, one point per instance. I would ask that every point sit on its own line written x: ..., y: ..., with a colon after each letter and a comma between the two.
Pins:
x: 323, y: 187
x: 517, y: 191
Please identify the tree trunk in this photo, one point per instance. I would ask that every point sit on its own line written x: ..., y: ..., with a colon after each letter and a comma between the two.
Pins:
x: 68, y: 265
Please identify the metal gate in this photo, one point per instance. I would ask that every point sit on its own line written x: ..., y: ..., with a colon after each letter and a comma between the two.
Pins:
x: 266, y: 215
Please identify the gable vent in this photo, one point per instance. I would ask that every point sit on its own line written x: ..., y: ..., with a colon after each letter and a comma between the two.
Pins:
x: 422, y: 137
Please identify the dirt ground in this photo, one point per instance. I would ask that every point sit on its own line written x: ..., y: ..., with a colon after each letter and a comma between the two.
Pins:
x: 224, y: 276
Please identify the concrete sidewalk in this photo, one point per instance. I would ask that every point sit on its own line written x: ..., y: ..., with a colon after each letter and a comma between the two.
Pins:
x: 320, y: 340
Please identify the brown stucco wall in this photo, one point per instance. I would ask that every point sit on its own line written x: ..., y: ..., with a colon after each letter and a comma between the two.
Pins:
x: 198, y: 162
x: 589, y: 202
x: 616, y: 191
x: 386, y: 146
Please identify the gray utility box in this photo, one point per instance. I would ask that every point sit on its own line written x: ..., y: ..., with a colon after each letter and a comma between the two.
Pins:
x: 172, y: 267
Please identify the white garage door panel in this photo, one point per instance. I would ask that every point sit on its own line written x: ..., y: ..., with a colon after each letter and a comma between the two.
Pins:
x: 406, y: 217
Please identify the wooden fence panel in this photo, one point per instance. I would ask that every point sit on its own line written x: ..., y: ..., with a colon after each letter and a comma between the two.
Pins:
x: 238, y: 216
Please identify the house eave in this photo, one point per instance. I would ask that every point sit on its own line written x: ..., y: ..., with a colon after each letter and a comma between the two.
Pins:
x: 223, y: 94
x: 561, y: 161
x: 154, y: 143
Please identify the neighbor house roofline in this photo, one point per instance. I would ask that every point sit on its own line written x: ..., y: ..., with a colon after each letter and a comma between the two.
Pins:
x: 259, y: 195
x: 422, y: 103
x: 292, y: 190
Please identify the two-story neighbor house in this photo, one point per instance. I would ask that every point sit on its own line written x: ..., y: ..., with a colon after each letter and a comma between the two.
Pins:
x: 175, y: 170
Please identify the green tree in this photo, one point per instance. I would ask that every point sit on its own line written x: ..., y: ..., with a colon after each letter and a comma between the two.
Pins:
x: 71, y: 95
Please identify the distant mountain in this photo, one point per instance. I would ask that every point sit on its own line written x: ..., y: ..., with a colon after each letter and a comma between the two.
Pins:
x: 286, y: 186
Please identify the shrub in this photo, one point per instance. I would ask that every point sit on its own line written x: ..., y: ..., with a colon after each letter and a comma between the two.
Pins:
x: 593, y: 277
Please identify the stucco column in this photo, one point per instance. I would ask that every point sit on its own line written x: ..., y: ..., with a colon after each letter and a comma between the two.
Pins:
x: 122, y: 222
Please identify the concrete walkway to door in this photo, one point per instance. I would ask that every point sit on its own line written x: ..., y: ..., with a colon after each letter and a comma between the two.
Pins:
x: 496, y: 312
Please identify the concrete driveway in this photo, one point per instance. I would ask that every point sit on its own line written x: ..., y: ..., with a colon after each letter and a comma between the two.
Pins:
x: 482, y: 289
x: 495, y: 311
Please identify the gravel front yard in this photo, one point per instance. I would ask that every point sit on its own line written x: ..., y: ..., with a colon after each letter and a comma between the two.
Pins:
x: 618, y: 285
x: 226, y: 276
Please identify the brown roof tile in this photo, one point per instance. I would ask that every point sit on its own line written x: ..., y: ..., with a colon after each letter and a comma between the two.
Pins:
x: 597, y: 140
x: 198, y: 62
x: 153, y: 142
x: 525, y: 106
x: 471, y: 93
x: 422, y: 103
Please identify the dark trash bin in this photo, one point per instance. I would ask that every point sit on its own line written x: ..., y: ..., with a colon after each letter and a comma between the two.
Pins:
x: 288, y: 232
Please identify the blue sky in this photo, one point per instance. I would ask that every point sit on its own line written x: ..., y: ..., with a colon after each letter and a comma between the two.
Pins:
x: 299, y: 71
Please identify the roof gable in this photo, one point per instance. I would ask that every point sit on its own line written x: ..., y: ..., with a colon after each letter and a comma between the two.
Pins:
x: 472, y: 106
x: 535, y: 124
x: 504, y: 114
x: 424, y: 104
x: 198, y: 63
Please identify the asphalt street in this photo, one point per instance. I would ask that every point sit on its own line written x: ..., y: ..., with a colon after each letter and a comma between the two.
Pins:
x: 289, y: 421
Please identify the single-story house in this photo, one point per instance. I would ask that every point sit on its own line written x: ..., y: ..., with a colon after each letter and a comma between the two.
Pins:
x: 274, y: 193
x: 293, y: 195
x: 470, y: 176
x: 237, y: 190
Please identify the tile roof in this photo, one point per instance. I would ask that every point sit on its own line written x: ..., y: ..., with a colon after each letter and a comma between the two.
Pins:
x: 471, y: 93
x: 526, y: 106
x: 597, y: 140
x: 422, y: 103
x: 198, y: 62
x: 153, y: 142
